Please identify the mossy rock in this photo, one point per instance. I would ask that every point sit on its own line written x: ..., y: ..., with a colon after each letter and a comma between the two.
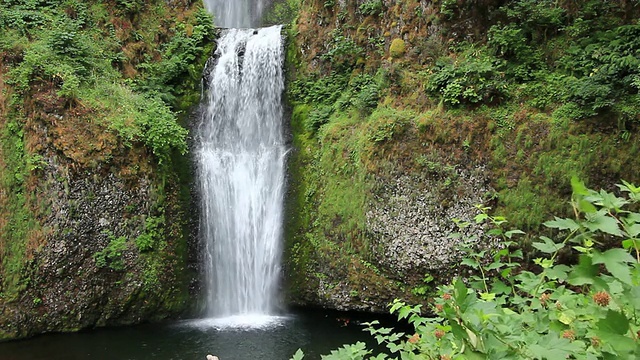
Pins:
x: 397, y: 48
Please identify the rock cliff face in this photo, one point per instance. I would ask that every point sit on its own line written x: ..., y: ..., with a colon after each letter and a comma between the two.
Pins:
x: 65, y: 285
x: 364, y: 232
x: 374, y: 187
x: 408, y: 114
x: 95, y: 189
x: 64, y: 268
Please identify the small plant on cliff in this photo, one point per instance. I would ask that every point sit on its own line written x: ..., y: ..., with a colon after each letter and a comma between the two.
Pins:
x: 371, y: 7
x: 152, y: 235
x: 343, y: 52
x: 587, y: 310
x: 111, y: 255
x: 476, y: 78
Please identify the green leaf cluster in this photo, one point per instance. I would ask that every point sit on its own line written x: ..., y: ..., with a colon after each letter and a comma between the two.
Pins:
x: 111, y: 255
x: 343, y: 52
x: 152, y: 235
x: 371, y: 7
x: 73, y: 47
x: 474, y: 79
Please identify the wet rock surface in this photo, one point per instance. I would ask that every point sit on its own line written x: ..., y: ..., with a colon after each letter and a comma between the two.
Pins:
x: 411, y: 220
x: 67, y: 288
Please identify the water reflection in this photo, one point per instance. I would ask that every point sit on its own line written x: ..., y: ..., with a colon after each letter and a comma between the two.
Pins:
x: 315, y: 333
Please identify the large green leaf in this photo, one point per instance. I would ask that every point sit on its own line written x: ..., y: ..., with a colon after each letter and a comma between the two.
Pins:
x: 558, y: 272
x: 548, y: 246
x: 610, y: 201
x: 552, y: 347
x: 473, y: 355
x: 460, y: 292
x: 615, y: 322
x: 578, y: 186
x: 601, y: 221
x: 634, y: 230
x: 562, y: 224
x: 634, y: 297
x: 583, y: 273
x: 616, y: 261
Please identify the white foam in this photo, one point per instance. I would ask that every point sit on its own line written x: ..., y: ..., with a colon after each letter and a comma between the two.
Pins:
x: 239, y: 322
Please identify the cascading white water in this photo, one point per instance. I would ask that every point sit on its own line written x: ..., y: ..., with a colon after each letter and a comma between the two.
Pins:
x: 241, y: 159
x: 236, y: 13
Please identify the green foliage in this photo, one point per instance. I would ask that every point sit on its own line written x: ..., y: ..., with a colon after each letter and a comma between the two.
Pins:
x: 538, y: 19
x: 329, y: 3
x: 24, y: 15
x: 592, y: 64
x: 65, y: 56
x: 141, y: 118
x: 318, y: 89
x: 604, y: 69
x: 474, y: 79
x: 63, y: 51
x: 20, y: 221
x: 316, y: 118
x: 159, y: 129
x: 425, y: 288
x: 362, y: 92
x: 152, y: 235
x: 510, y: 43
x: 111, y: 255
x: 283, y: 12
x: 179, y: 60
x: 343, y: 52
x: 336, y: 93
x: 448, y: 8
x: 386, y: 123
x: 585, y: 310
x: 371, y: 7
x: 131, y: 6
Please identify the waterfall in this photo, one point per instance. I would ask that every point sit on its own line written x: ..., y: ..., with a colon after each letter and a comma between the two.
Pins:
x: 236, y: 13
x: 241, y: 158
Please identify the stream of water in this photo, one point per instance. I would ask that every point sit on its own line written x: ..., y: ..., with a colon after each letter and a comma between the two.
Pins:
x: 241, y: 155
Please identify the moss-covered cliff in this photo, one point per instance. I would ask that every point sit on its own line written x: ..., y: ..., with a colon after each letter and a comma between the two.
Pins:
x: 406, y: 114
x: 94, y: 173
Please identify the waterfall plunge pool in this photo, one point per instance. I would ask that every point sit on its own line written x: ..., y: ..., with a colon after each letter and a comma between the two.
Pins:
x: 315, y: 332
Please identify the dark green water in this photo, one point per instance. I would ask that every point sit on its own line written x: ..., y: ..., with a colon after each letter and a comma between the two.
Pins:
x: 316, y: 333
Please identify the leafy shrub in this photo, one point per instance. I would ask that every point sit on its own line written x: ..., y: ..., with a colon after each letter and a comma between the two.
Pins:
x: 282, y: 12
x: 387, y: 123
x: 604, y: 68
x: 159, y: 128
x: 448, y: 8
x: 24, y: 16
x: 343, y: 52
x: 111, y: 255
x: 510, y: 43
x: 152, y: 235
x: 64, y: 56
x: 371, y: 7
x: 367, y: 98
x: 474, y: 79
x: 317, y: 117
x: 131, y: 6
x: 581, y: 311
x: 179, y: 56
x: 537, y: 18
x: 318, y: 89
